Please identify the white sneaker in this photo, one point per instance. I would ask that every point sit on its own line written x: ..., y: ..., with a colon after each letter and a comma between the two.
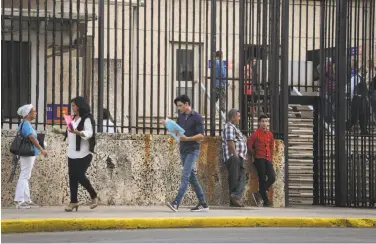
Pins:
x: 22, y: 205
x: 31, y: 203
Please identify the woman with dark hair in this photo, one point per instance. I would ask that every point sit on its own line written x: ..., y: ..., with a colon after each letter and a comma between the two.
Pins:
x: 81, y: 143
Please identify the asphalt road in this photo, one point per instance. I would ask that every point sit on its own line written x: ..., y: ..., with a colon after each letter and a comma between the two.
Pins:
x: 207, y: 235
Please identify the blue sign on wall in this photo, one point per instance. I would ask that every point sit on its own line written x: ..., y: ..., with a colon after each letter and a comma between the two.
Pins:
x: 54, y: 115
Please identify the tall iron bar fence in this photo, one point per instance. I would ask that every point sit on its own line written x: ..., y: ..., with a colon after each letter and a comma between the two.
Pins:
x: 345, y: 164
x: 133, y: 58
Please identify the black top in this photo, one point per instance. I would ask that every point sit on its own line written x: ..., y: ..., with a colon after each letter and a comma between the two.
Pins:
x: 361, y: 90
x: 373, y: 84
x: 193, y: 124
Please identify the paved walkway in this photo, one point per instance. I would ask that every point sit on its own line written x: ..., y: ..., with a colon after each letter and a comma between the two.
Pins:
x: 164, y: 212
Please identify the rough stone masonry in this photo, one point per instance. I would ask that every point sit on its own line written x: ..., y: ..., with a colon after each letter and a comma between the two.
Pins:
x: 130, y: 169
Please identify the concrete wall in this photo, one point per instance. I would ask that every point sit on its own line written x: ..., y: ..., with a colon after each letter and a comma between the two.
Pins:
x: 146, y: 172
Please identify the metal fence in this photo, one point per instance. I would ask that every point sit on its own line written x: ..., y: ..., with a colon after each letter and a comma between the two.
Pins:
x: 133, y: 57
x: 345, y: 132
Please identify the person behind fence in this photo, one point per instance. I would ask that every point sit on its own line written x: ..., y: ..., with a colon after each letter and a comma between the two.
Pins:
x: 108, y: 122
x: 22, y: 194
x: 221, y: 82
x: 192, y: 122
x: 360, y: 107
x: 261, y: 146
x: 234, y: 148
x: 81, y: 143
x: 373, y: 94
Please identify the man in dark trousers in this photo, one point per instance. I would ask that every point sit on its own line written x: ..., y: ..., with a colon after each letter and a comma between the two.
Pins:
x: 193, y: 124
x: 261, y: 146
x: 360, y: 108
x: 234, y: 148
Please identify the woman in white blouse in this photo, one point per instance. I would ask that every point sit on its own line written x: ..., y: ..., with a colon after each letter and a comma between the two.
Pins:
x: 81, y: 142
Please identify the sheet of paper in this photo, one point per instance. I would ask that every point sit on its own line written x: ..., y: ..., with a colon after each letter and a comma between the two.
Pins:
x: 172, y: 127
x: 68, y: 119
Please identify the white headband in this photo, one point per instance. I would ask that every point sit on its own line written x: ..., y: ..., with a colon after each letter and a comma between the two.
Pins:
x: 24, y: 110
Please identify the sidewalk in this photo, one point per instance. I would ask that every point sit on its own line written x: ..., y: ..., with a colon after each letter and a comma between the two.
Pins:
x: 120, y: 217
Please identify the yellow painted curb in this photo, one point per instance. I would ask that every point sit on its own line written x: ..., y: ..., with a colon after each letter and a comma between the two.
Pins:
x: 76, y: 224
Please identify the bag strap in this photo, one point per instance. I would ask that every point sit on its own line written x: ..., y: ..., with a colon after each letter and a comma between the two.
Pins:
x: 20, y: 130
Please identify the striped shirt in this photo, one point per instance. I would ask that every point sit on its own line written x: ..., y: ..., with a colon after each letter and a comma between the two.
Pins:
x: 232, y: 133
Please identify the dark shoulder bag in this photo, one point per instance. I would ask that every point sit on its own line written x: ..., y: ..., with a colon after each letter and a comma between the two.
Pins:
x: 22, y: 146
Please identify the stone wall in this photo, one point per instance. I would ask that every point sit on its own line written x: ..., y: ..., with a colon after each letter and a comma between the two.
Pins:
x: 133, y: 170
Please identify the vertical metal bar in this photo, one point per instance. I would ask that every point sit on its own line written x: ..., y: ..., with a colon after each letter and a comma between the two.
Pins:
x: 152, y: 66
x: 200, y: 55
x: 37, y: 78
x: 93, y: 59
x: 186, y: 55
x: 45, y: 62
x: 115, y: 69
x: 221, y: 79
x: 53, y: 62
x: 108, y: 61
x: 213, y: 37
x: 159, y: 66
x: 341, y: 160
x: 123, y: 63
x: 144, y: 75
x: 265, y: 46
x: 11, y: 61
x: 78, y: 48
x: 61, y: 63
x: 100, y: 64
x: 228, y: 61
x: 29, y: 55
x: 196, y: 105
x: 83, y: 53
x: 130, y: 70
x: 233, y: 52
x: 293, y: 44
x: 300, y: 41
x: 285, y: 89
x: 306, y: 44
x: 20, y: 42
x: 70, y: 50
x: 137, y: 63
x: 166, y: 40
x: 242, y: 106
x: 207, y: 57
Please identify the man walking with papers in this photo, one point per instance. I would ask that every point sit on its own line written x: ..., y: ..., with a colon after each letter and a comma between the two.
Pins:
x: 192, y: 124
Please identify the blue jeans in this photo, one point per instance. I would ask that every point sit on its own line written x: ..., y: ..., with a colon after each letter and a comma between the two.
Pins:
x: 189, y: 176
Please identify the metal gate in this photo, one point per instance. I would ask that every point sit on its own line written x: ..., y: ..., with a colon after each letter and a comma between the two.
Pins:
x: 345, y: 138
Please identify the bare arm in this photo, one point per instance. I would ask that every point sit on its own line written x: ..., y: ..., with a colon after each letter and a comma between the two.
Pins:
x: 198, y: 137
x: 36, y: 144
x: 231, y: 148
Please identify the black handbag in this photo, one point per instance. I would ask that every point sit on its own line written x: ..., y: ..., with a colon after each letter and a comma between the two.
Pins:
x: 22, y: 146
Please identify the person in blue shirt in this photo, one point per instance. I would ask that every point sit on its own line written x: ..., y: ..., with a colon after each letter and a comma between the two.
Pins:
x: 189, y: 147
x: 221, y: 81
x: 22, y: 195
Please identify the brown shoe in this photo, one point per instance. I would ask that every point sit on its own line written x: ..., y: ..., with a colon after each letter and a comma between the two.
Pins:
x: 235, y: 202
